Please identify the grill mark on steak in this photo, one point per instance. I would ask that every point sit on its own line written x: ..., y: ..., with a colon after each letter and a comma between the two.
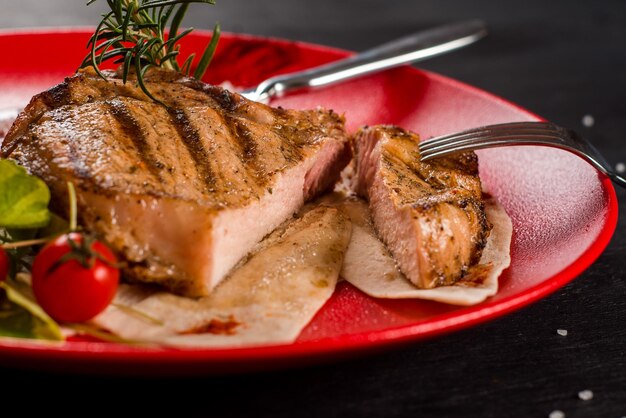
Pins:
x: 133, y: 130
x: 288, y: 149
x: 244, y: 138
x: 193, y: 142
x: 248, y: 147
x: 291, y: 150
x: 222, y: 97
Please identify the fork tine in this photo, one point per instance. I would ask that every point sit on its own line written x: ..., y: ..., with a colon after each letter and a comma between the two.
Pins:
x: 508, y: 125
x: 488, y: 141
x: 482, y: 135
x: 518, y: 133
x: 518, y: 127
x: 462, y: 140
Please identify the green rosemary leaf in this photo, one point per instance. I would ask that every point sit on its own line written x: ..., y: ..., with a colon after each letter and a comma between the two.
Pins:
x: 181, y: 35
x: 186, y: 68
x: 171, y: 55
x: 177, y: 20
x: 94, y: 60
x: 138, y: 68
x: 117, y: 9
x: 208, y: 53
x: 141, y: 69
x: 106, y: 36
x: 164, y: 16
x: 125, y: 23
x: 143, y: 26
x: 104, y: 47
x: 128, y: 62
x: 161, y: 3
x: 134, y: 34
x: 113, y: 53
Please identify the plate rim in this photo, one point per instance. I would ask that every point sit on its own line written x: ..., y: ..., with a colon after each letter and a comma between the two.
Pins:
x: 361, y: 342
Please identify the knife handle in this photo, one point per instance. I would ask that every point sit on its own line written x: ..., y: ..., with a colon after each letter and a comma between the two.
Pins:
x: 409, y: 49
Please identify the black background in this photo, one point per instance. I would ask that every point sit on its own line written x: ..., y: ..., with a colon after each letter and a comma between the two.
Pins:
x: 560, y: 59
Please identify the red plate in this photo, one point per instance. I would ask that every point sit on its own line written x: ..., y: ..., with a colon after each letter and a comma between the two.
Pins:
x: 563, y: 211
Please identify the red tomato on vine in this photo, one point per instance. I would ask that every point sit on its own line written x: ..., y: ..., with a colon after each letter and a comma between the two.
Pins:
x: 74, y: 277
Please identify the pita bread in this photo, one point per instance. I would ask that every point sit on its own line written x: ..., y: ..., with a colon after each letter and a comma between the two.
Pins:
x: 369, y: 266
x: 268, y: 300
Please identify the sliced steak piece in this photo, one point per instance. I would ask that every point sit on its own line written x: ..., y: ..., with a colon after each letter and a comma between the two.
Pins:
x: 181, y: 191
x: 267, y: 300
x: 430, y: 215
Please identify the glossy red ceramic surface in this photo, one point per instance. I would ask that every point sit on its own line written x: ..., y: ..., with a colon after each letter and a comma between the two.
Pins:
x: 563, y: 211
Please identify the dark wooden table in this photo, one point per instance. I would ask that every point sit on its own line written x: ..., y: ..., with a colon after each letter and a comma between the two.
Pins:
x: 560, y: 59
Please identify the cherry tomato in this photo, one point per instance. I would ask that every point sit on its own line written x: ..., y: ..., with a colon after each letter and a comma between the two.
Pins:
x: 4, y: 265
x: 74, y: 284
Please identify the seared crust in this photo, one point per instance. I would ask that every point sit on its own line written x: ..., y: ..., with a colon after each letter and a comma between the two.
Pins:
x: 208, y: 145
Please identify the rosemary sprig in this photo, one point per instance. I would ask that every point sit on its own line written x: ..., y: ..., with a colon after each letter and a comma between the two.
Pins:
x: 134, y: 34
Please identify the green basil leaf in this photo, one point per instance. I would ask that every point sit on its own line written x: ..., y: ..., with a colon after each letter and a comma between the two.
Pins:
x: 21, y: 317
x: 23, y: 198
x: 16, y: 322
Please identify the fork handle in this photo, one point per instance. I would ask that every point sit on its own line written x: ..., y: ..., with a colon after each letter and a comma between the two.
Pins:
x: 412, y: 48
x: 591, y: 154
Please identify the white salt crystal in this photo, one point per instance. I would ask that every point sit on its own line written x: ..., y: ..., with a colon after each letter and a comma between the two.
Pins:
x: 557, y: 414
x: 588, y: 121
x: 585, y: 395
x: 561, y: 332
x: 620, y: 167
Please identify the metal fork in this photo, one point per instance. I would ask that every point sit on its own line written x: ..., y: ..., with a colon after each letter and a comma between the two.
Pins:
x: 518, y: 133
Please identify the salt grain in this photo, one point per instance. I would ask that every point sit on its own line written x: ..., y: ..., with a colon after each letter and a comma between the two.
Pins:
x: 620, y: 167
x: 557, y: 414
x: 588, y: 121
x: 561, y: 332
x: 585, y: 395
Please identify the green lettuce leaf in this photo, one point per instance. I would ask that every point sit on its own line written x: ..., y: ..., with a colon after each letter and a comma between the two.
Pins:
x: 23, y: 198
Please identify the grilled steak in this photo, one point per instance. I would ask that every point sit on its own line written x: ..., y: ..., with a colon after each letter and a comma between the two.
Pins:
x: 181, y: 190
x: 430, y: 215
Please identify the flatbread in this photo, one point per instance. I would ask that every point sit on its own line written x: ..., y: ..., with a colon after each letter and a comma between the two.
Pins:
x: 269, y: 299
x: 369, y: 266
